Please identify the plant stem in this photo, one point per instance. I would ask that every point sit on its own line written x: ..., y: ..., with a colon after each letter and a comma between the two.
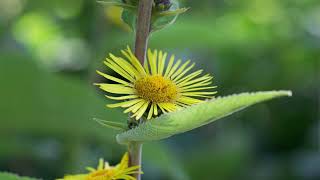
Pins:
x: 141, y: 44
x: 143, y: 28
x: 135, y: 153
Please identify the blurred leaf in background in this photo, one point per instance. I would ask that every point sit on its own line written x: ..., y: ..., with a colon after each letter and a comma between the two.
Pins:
x: 9, y: 176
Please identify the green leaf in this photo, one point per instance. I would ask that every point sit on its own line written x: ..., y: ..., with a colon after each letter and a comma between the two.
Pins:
x: 173, y: 12
x: 162, y: 19
x: 9, y: 176
x: 129, y: 17
x: 116, y: 3
x: 112, y: 125
x: 195, y: 116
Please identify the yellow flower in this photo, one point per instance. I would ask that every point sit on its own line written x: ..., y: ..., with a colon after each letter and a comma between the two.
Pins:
x: 106, y: 172
x: 159, y: 86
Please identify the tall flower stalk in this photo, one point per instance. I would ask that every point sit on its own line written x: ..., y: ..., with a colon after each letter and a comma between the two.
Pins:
x: 141, y: 44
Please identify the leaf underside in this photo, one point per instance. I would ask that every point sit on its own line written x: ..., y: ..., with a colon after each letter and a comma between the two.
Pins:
x: 195, y: 116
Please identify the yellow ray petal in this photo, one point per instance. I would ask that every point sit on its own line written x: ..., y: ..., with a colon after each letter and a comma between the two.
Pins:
x: 200, y: 79
x: 199, y: 84
x: 188, y: 100
x: 118, y: 70
x: 125, y: 172
x: 101, y: 164
x: 171, y: 61
x: 141, y: 111
x: 116, y: 88
x: 125, y: 66
x: 179, y: 71
x: 146, y: 67
x: 112, y: 61
x: 75, y: 177
x: 106, y: 165
x: 125, y: 104
x: 150, y: 111
x: 136, y: 63
x: 181, y: 104
x: 125, y: 177
x: 184, y: 72
x: 200, y: 96
x: 124, y: 161
x: 131, y: 170
x: 155, y: 109
x: 135, y: 107
x: 115, y: 79
x: 174, y: 68
x: 153, y: 61
x: 122, y: 97
x: 168, y: 106
x: 189, y: 77
x: 198, y: 89
x: 200, y: 93
x: 161, y: 108
x: 161, y: 62
x: 150, y: 57
x: 193, y: 94
x: 90, y: 169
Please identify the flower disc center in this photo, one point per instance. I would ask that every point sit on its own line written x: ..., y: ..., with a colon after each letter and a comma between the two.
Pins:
x: 156, y: 88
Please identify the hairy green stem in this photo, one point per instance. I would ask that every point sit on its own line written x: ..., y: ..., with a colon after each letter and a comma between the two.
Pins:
x: 141, y: 44
x: 135, y: 151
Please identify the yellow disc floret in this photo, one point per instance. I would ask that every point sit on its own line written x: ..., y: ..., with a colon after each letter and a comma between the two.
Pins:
x: 156, y: 89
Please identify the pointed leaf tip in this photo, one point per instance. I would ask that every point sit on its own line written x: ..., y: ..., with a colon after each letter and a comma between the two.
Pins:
x: 112, y: 125
x: 195, y: 116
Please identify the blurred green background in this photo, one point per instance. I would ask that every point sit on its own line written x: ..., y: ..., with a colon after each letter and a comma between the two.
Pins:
x: 49, y: 51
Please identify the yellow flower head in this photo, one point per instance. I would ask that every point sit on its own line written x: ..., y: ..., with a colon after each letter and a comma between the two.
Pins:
x: 106, y: 172
x: 156, y: 87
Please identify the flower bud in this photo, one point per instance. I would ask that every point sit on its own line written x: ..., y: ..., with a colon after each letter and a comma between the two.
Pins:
x: 162, y: 5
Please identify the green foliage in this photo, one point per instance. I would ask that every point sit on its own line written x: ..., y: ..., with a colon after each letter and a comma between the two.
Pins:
x: 195, y: 116
x: 112, y: 125
x: 165, y: 18
x: 246, y: 44
x: 161, y: 17
x: 129, y: 17
x: 9, y: 176
x: 81, y: 100
x: 117, y: 3
x: 165, y: 160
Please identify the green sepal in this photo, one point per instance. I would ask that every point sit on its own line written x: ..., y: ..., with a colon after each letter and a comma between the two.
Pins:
x: 195, y: 116
x: 112, y: 125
